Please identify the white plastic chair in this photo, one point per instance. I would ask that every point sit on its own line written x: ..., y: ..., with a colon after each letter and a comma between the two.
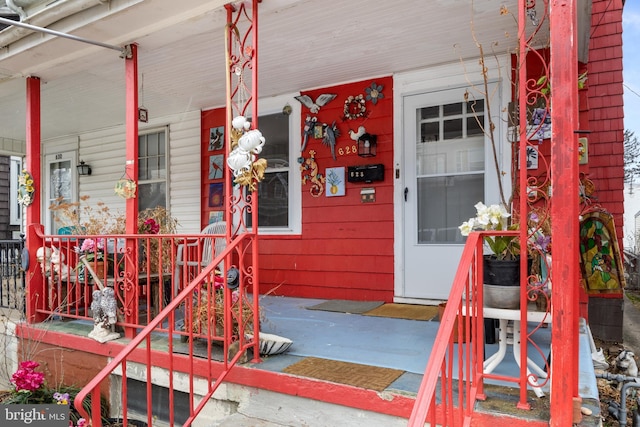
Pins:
x: 211, y: 247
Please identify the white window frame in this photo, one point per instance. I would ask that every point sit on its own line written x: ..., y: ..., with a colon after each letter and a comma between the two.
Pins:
x: 15, y: 209
x: 150, y: 131
x: 273, y: 106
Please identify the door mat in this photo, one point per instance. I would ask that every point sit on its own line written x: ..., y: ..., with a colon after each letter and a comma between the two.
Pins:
x: 346, y: 306
x: 405, y: 311
x: 363, y: 376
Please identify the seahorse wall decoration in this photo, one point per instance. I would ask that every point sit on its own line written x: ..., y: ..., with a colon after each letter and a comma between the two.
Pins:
x: 309, y: 169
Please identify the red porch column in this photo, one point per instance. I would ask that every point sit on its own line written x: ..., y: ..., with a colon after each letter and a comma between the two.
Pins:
x: 35, y: 281
x: 131, y: 171
x: 564, y: 210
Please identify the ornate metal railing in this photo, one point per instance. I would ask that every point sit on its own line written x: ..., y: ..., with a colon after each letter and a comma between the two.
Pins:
x: 12, y: 275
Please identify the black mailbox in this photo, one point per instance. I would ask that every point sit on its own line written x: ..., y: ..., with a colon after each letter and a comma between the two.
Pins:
x: 366, y: 173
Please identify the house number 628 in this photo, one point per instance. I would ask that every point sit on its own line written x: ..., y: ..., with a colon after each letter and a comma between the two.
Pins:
x: 349, y: 149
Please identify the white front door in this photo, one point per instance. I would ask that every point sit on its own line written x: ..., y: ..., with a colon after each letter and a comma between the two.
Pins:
x: 444, y: 167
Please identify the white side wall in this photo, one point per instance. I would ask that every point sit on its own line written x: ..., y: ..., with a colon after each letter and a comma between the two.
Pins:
x: 104, y: 150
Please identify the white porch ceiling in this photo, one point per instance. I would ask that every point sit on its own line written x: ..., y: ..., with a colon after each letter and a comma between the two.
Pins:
x: 303, y: 44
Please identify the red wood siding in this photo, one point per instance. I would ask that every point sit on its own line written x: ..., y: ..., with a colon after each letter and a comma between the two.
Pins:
x: 345, y: 250
x: 605, y: 109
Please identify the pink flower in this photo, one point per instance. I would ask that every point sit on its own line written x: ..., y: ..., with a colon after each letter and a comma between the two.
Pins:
x: 151, y: 226
x: 91, y: 246
x: 26, y: 378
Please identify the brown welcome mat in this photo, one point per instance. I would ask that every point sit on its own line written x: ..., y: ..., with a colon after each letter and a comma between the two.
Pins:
x: 363, y: 376
x: 405, y: 311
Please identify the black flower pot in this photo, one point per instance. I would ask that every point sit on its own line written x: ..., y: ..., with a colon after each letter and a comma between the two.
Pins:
x: 502, y: 282
x: 501, y: 272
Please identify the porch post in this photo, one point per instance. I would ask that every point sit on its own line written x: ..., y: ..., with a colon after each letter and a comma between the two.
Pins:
x: 35, y: 281
x: 564, y: 210
x: 131, y: 171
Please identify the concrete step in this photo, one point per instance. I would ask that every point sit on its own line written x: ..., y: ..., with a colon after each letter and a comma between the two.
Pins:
x: 240, y: 420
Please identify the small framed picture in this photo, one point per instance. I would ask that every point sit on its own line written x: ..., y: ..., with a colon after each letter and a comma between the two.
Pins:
x: 335, y: 182
x: 216, y: 138
x: 216, y: 169
x: 532, y: 158
x: 216, y: 195
x: 215, y: 216
x: 318, y: 131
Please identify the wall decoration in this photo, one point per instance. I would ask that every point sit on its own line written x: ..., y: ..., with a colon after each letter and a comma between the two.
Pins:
x: 308, y: 130
x: 335, y: 182
x: 318, y: 131
x: 331, y: 133
x: 349, y: 149
x: 354, y: 107
x: 309, y: 169
x: 125, y: 187
x: 321, y: 101
x: 25, y: 188
x: 248, y: 170
x: 374, y: 93
x: 532, y: 158
x: 356, y: 135
x: 216, y: 195
x: 216, y: 169
x: 216, y: 138
x: 601, y: 261
x: 215, y: 216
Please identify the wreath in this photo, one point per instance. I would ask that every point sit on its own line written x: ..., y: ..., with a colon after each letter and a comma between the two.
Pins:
x: 25, y: 188
x: 354, y: 107
x: 125, y: 188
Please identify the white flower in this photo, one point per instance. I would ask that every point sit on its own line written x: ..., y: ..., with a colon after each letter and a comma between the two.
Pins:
x: 466, y: 227
x: 487, y: 218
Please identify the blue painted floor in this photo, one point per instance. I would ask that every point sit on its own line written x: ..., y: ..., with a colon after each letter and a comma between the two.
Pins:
x: 377, y: 341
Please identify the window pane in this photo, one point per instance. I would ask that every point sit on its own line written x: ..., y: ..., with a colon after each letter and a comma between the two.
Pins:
x: 475, y: 125
x: 152, y: 195
x: 444, y: 204
x: 476, y: 106
x: 152, y: 144
x: 161, y: 144
x: 143, y: 170
x: 430, y: 112
x: 142, y: 146
x: 275, y: 129
x: 452, y: 129
x: 452, y: 109
x: 273, y: 191
x: 429, y: 132
x: 273, y: 200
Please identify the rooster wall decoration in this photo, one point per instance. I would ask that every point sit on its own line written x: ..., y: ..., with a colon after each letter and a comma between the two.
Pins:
x: 321, y: 101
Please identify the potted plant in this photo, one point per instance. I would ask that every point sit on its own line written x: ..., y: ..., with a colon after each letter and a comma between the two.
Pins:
x: 93, y: 252
x: 501, y: 268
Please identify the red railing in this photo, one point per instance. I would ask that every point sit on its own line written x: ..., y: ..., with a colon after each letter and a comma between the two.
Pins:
x: 454, y: 376
x: 450, y: 383
x: 191, y: 292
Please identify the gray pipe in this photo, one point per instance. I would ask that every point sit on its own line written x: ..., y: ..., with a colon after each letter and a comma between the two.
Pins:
x: 630, y: 382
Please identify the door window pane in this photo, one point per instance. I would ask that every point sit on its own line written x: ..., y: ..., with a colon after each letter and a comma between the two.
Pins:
x: 60, y: 186
x: 444, y: 203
